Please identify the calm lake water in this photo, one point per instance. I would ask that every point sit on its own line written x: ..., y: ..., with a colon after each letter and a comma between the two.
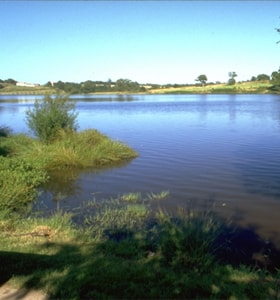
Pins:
x: 216, y: 152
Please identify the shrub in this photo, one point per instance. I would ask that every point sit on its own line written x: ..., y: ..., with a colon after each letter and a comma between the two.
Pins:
x: 18, y: 183
x: 231, y: 81
x: 50, y: 116
x: 5, y: 131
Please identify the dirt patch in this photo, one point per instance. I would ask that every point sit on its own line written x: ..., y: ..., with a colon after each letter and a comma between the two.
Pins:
x: 7, y: 292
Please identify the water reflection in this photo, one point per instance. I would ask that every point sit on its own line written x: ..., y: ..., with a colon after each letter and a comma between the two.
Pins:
x: 65, y: 184
x: 260, y: 169
x: 106, y: 98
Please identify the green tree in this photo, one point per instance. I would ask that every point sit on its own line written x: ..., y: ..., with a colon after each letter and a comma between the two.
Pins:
x: 51, y: 115
x: 275, y: 80
x: 126, y: 85
x: 60, y: 85
x: 254, y: 78
x: 275, y: 77
x: 11, y: 81
x: 202, y: 79
x: 263, y: 77
x: 231, y: 80
x: 88, y: 87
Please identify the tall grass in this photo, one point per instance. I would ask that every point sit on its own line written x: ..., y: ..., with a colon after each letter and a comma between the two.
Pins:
x: 27, y: 162
x: 88, y: 148
x: 18, y: 182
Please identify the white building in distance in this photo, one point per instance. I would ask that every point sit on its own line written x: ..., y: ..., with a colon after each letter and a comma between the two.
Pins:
x: 26, y: 84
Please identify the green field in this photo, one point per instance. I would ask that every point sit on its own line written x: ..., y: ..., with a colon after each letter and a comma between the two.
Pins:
x: 223, y: 88
x: 10, y: 89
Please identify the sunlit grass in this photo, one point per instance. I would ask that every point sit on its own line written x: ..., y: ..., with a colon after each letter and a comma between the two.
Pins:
x: 158, y: 196
x: 131, y: 197
x: 76, y: 149
x: 223, y: 88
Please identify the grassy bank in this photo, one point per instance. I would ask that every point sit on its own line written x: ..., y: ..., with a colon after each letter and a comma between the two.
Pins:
x: 26, y: 163
x: 123, y: 250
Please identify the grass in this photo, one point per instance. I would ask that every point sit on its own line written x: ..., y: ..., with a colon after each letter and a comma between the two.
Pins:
x: 20, y: 90
x: 158, y: 196
x: 123, y: 250
x: 83, y: 149
x: 238, y: 88
x: 27, y: 163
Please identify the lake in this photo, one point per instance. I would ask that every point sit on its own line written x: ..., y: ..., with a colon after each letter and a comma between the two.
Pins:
x: 211, y: 152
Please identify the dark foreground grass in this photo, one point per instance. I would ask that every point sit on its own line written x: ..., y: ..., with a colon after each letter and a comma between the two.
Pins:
x: 123, y: 250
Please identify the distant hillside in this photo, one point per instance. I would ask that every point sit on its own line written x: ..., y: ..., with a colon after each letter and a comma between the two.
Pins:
x: 36, y: 90
x: 254, y: 87
x: 126, y: 86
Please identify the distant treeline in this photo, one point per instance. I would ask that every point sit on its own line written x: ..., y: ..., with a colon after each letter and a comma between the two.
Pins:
x: 5, y: 82
x: 89, y: 86
x: 126, y: 85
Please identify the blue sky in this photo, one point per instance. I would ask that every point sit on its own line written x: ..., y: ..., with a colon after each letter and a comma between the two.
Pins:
x: 145, y: 41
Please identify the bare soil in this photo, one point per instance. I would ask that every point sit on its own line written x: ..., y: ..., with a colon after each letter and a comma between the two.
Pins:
x: 7, y: 292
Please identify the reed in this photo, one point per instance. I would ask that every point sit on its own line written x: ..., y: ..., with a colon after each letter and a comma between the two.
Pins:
x: 86, y: 149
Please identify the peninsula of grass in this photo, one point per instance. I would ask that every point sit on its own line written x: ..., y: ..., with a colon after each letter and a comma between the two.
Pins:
x: 84, y: 149
x: 121, y: 249
x: 27, y: 163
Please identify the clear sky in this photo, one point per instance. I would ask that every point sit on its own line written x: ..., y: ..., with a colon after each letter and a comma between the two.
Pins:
x: 144, y: 41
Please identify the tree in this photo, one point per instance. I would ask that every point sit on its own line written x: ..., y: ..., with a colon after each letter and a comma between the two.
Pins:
x: 88, y: 87
x: 231, y: 80
x: 202, y: 79
x: 11, y: 81
x: 275, y: 77
x: 126, y: 85
x: 275, y: 80
x: 254, y: 78
x: 51, y: 115
x: 109, y: 83
x: 263, y: 77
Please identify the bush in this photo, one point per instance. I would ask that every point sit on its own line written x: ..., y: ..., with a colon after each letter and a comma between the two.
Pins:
x: 50, y: 116
x: 231, y: 81
x: 5, y: 131
x: 18, y: 183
